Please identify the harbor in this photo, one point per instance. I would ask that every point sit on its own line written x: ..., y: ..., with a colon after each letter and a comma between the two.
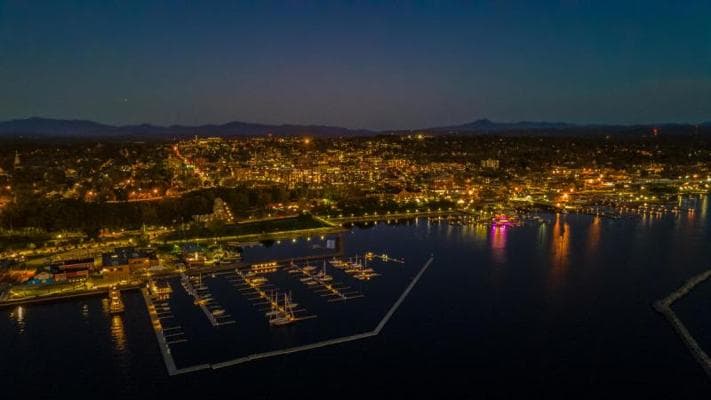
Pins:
x: 273, y: 300
x: 172, y: 370
x: 466, y: 302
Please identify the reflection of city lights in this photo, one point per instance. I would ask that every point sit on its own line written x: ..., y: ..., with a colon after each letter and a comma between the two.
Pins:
x: 19, y: 316
x: 117, y: 333
x: 594, y: 235
x: 560, y: 245
x: 498, y: 243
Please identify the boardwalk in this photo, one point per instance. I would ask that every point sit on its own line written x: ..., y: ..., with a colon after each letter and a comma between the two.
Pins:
x: 663, y: 306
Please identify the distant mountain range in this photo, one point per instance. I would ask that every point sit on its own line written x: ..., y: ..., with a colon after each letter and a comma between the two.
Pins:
x: 45, y: 127
x: 63, y: 128
x: 485, y: 125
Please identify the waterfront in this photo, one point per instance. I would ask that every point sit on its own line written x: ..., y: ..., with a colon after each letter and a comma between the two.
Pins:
x: 562, y: 308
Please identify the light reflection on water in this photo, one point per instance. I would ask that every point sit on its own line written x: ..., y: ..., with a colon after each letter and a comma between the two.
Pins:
x: 85, y: 313
x: 118, y: 335
x: 498, y: 243
x: 18, y: 317
x: 480, y: 234
x: 542, y: 235
x: 560, y: 249
x: 593, y: 242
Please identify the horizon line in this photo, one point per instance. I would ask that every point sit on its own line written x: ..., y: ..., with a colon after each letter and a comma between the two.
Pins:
x: 328, y: 125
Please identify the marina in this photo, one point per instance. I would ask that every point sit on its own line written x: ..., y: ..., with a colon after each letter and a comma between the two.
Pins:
x: 356, y: 267
x: 282, y: 311
x: 254, y: 286
x: 323, y: 283
x: 277, y: 306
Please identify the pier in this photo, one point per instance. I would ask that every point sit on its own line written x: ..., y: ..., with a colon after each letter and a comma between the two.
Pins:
x: 663, y: 306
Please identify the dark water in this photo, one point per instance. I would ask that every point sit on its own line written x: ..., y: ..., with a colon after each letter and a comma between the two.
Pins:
x: 560, y: 310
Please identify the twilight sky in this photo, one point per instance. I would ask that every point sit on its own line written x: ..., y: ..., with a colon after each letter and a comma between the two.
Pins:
x: 359, y: 64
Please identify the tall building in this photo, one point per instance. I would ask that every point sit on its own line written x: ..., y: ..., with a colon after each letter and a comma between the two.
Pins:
x: 490, y: 163
x: 17, y: 164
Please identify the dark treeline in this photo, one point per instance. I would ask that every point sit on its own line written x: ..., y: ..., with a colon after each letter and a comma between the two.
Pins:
x: 89, y: 217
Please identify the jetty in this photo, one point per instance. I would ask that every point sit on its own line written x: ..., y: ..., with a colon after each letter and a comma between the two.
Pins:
x: 663, y: 306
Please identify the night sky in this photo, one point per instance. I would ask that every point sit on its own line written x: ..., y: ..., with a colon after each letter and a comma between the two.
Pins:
x: 356, y: 64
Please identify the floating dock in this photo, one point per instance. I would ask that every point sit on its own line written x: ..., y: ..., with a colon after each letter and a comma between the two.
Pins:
x: 203, y: 299
x: 261, y: 293
x: 334, y: 291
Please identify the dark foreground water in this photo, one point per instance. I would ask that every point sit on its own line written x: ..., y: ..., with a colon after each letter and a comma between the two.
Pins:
x: 560, y: 310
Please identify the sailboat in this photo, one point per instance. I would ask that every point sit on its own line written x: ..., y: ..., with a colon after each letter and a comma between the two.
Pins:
x: 323, y: 276
x: 284, y: 316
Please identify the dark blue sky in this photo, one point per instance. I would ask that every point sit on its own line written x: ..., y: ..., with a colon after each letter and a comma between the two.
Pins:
x: 356, y: 64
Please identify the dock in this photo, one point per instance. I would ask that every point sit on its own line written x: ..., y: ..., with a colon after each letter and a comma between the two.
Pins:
x: 261, y: 293
x: 663, y: 306
x: 163, y: 343
x: 333, y: 291
x: 203, y: 299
